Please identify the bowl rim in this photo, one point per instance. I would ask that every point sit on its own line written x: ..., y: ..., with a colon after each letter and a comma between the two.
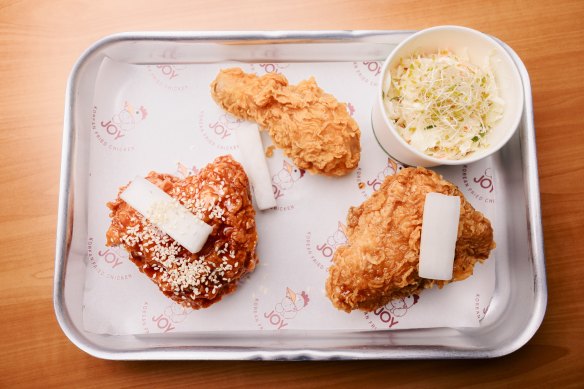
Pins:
x: 476, y: 155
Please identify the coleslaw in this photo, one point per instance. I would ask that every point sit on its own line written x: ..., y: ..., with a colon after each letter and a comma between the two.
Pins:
x: 442, y: 104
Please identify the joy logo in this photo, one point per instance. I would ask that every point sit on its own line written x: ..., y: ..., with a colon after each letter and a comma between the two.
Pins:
x: 270, y: 67
x: 110, y: 257
x: 113, y: 132
x: 225, y: 125
x: 169, y: 71
x: 391, y: 168
x: 322, y: 253
x: 124, y: 121
x: 479, y: 183
x: 338, y: 238
x: 168, y: 76
x: 386, y: 316
x: 177, y: 313
x: 163, y: 322
x: 486, y: 180
x: 371, y: 185
x: 399, y: 307
x: 184, y: 171
x: 368, y: 71
x: 287, y: 309
x: 217, y: 132
x: 108, y: 262
x: 285, y: 178
x: 373, y: 67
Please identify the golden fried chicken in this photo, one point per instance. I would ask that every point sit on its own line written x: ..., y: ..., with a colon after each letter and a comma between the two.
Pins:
x: 311, y: 126
x: 379, y: 263
x: 219, y: 195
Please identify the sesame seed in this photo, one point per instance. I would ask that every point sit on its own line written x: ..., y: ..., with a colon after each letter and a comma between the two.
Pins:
x: 178, y: 272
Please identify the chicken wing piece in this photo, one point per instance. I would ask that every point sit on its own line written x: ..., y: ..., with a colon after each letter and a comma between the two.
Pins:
x: 219, y: 195
x: 379, y: 263
x: 311, y: 126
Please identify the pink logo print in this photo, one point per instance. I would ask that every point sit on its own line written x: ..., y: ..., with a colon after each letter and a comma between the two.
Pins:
x: 108, y: 262
x: 373, y: 67
x: 163, y: 323
x: 391, y: 168
x: 167, y: 321
x: 338, y: 238
x: 292, y: 303
x: 486, y: 180
x: 110, y: 257
x: 400, y: 306
x: 287, y: 309
x: 322, y: 253
x: 368, y: 71
x: 124, y: 121
x: 184, y: 171
x: 394, y: 309
x: 177, y: 313
x: 351, y: 109
x: 479, y: 184
x: 225, y: 125
x: 169, y: 76
x: 481, y: 313
x: 284, y: 179
x: 169, y: 71
x: 217, y: 132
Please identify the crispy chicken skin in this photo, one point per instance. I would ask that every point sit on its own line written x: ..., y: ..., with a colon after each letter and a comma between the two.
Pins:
x: 311, y: 126
x: 379, y: 263
x: 219, y: 195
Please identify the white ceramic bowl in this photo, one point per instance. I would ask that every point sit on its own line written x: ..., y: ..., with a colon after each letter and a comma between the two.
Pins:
x: 477, y: 47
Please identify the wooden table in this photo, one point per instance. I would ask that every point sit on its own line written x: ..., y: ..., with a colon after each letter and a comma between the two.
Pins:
x: 40, y: 41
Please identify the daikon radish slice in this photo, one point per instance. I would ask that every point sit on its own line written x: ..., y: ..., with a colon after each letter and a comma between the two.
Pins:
x: 255, y: 165
x: 167, y: 214
x: 439, y: 234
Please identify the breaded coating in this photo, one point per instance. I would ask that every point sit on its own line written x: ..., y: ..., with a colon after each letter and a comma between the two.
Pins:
x: 311, y: 126
x: 219, y: 195
x: 379, y: 263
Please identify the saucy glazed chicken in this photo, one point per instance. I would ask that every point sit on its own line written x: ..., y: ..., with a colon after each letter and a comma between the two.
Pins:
x: 218, y: 195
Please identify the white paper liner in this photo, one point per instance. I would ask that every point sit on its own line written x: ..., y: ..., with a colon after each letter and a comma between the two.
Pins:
x: 162, y: 118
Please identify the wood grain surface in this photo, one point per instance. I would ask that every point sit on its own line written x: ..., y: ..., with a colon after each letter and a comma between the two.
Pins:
x: 39, y: 43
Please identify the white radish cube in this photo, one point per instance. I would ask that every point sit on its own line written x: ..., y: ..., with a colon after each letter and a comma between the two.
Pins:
x: 167, y: 214
x: 439, y: 234
x: 255, y: 165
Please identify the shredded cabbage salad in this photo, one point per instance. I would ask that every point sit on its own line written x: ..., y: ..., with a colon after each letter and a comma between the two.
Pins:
x: 442, y: 104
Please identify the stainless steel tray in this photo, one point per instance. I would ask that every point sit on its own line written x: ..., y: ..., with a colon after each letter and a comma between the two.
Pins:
x: 520, y: 298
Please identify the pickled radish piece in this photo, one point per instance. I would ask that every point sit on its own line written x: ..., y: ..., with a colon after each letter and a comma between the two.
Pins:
x: 167, y: 214
x: 255, y: 165
x: 439, y: 234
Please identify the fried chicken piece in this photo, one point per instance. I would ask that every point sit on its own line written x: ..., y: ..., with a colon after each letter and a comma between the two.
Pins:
x: 311, y: 126
x: 379, y: 263
x: 219, y: 195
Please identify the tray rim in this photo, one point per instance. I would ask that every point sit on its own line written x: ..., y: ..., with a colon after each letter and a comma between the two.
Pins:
x: 531, y: 184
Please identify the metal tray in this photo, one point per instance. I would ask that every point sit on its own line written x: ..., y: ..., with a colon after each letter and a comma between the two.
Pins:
x: 518, y: 305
